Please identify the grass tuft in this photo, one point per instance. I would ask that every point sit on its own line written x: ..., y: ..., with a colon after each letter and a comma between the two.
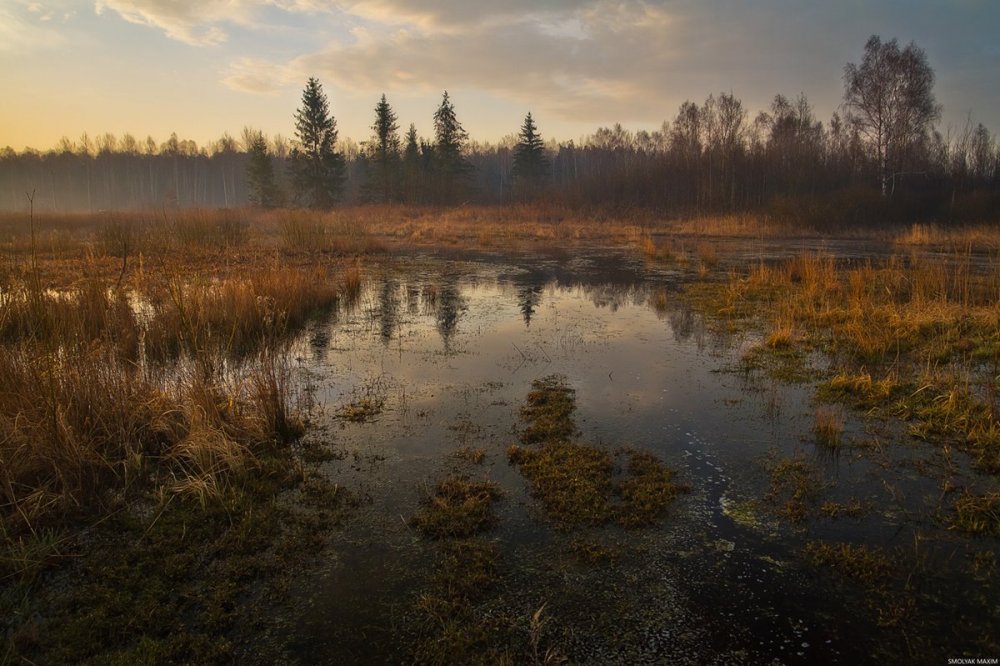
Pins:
x: 458, y: 507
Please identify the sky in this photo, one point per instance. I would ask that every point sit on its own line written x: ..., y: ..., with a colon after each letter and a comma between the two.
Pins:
x: 201, y: 68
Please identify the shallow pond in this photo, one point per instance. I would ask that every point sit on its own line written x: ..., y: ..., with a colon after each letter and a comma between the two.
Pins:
x: 441, y: 352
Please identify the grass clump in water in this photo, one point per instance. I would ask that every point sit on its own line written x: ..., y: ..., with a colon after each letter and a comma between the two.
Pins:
x: 829, y: 427
x: 646, y: 491
x: 573, y: 482
x: 860, y: 563
x: 548, y: 411
x: 458, y: 507
x: 978, y: 514
x: 576, y: 483
x: 794, y: 488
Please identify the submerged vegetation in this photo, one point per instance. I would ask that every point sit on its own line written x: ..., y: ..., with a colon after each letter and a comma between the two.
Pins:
x: 154, y: 487
x: 458, y: 507
x: 145, y: 440
x: 917, y: 338
x: 577, y: 484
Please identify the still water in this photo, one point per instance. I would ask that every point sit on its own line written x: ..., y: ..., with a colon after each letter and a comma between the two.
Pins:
x: 446, y: 348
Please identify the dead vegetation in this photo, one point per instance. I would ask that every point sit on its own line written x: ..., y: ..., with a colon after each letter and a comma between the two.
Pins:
x: 457, y: 507
x: 580, y: 485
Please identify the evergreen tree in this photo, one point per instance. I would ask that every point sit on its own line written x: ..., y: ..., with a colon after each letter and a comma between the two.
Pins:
x: 451, y: 169
x: 384, y: 153
x: 317, y: 169
x: 263, y: 189
x: 530, y: 163
x: 412, y: 166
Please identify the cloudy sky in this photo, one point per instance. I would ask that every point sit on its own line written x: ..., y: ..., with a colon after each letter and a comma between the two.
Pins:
x: 204, y: 67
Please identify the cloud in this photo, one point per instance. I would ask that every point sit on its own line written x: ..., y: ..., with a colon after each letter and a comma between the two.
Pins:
x: 259, y: 77
x: 195, y: 23
x: 29, y: 29
x: 449, y: 15
x: 596, y: 61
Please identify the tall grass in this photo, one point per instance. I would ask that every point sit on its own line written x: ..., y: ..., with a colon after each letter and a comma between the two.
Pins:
x: 236, y: 316
x: 929, y: 325
x: 87, y: 419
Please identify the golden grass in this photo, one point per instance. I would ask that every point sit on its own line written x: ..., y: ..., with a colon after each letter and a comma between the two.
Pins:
x: 913, y: 337
x: 458, y: 507
x: 828, y: 426
x: 236, y: 316
x: 983, y: 237
x: 88, y: 415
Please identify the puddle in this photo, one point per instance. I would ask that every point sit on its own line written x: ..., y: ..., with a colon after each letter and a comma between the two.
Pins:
x: 444, y: 350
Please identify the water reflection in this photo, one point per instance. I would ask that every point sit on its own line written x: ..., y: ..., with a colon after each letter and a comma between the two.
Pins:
x: 635, y: 355
x: 388, y: 310
x: 528, y: 297
x: 451, y: 305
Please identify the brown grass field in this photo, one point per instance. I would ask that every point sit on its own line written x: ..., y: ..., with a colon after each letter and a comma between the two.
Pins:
x: 144, y: 356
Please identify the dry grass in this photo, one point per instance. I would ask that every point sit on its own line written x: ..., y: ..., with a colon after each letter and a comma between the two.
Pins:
x: 916, y: 337
x: 88, y: 416
x: 457, y: 508
x: 828, y: 427
x: 236, y: 316
x: 980, y: 238
x: 978, y: 514
x: 577, y: 484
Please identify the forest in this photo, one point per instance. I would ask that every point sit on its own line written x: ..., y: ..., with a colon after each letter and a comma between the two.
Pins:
x: 880, y: 158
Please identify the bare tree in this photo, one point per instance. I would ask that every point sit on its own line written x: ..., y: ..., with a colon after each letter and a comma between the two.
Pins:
x: 889, y: 99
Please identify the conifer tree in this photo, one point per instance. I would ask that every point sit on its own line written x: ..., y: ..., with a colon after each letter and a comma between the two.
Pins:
x: 317, y: 169
x: 384, y: 152
x: 263, y: 188
x: 412, y: 166
x: 530, y: 163
x: 452, y: 171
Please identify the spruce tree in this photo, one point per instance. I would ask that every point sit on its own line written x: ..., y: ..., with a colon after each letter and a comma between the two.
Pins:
x: 260, y: 171
x: 451, y: 170
x: 530, y: 163
x: 384, y: 152
x: 317, y: 169
x: 412, y: 167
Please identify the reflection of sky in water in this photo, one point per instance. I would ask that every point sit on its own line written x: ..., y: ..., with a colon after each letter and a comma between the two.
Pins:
x: 637, y: 371
x: 453, y: 351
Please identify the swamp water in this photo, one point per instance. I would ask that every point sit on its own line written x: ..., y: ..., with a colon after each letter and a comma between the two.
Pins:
x: 438, y: 356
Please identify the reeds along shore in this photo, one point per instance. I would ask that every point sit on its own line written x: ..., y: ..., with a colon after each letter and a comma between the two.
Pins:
x: 146, y: 350
x: 912, y: 336
x: 117, y: 391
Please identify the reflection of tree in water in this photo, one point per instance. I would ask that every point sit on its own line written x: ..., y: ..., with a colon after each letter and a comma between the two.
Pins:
x: 682, y: 322
x: 450, y: 307
x: 614, y: 296
x: 528, y: 297
x: 319, y: 336
x: 412, y: 299
x: 388, y: 310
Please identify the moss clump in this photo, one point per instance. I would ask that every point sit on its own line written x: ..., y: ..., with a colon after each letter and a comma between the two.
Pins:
x: 548, y: 411
x: 458, y: 507
x: 647, y: 491
x: 795, y: 484
x: 572, y: 481
x: 180, y: 585
x: 860, y: 563
x: 576, y: 483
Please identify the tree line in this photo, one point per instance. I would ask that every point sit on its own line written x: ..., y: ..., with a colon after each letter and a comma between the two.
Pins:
x: 879, y: 157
